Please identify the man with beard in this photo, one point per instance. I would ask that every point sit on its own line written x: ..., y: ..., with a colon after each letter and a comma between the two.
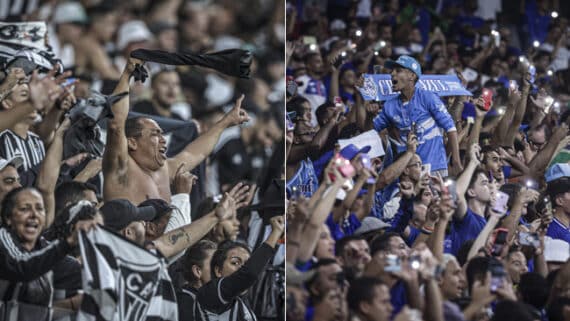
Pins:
x: 135, y: 166
x: 422, y: 111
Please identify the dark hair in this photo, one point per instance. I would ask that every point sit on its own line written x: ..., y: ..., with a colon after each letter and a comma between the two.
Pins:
x: 555, y: 310
x: 71, y: 192
x: 221, y: 255
x: 321, y: 111
x: 382, y: 242
x: 476, y: 269
x: 296, y: 104
x: 463, y: 251
x: 533, y: 289
x: 159, y: 73
x: 134, y: 127
x: 476, y: 174
x: 339, y: 245
x: 61, y: 228
x: 508, y: 310
x: 9, y: 202
x: 196, y: 256
x: 361, y: 290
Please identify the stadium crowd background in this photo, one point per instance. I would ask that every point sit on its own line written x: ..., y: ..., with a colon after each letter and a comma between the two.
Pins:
x: 50, y: 166
x: 387, y: 238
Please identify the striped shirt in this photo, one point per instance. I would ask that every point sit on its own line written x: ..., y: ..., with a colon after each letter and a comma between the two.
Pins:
x: 17, y: 8
x: 31, y: 149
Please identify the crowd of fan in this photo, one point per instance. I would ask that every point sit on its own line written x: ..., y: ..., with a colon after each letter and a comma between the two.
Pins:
x: 173, y: 164
x: 464, y: 214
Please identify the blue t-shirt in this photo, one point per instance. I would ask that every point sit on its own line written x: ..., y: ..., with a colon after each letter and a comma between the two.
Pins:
x: 305, y: 180
x: 402, y: 219
x: 398, y: 298
x: 466, y: 229
x: 349, y: 225
x: 557, y: 230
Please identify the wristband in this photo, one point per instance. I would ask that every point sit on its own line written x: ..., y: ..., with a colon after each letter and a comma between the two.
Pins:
x: 426, y: 232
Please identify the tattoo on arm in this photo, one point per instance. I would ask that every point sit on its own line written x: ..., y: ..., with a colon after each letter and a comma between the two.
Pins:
x: 176, y: 236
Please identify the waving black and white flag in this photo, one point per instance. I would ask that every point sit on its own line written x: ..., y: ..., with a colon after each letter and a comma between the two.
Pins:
x: 123, y: 281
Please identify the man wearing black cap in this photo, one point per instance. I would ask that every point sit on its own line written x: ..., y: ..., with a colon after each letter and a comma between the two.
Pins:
x: 123, y: 217
x: 422, y: 111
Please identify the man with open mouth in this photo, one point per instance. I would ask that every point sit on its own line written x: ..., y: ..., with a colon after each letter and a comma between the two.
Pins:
x: 422, y: 112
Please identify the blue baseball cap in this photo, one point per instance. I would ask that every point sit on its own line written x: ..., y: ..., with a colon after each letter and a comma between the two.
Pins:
x: 557, y: 171
x: 350, y: 151
x: 406, y: 62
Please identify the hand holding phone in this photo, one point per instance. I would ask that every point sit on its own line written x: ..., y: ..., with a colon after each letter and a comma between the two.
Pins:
x: 487, y: 98
x: 501, y: 202
x: 499, y: 241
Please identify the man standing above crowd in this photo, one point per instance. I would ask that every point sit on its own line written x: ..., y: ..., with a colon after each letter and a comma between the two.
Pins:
x: 135, y: 165
x: 415, y: 107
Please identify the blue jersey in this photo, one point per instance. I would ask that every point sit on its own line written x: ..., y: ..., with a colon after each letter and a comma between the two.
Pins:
x: 430, y: 115
x: 305, y: 180
x: 349, y: 225
x: 557, y: 230
x: 466, y: 229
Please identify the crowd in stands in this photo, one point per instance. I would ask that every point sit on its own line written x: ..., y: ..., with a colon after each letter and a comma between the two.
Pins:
x: 407, y: 201
x: 185, y: 160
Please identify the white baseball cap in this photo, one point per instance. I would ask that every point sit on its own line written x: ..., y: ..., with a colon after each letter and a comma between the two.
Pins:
x: 132, y: 31
x: 69, y: 12
x: 16, y: 161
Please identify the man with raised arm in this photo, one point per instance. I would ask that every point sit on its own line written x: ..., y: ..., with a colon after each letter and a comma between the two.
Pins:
x: 135, y: 166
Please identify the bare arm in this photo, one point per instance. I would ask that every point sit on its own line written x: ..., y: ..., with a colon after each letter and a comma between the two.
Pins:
x: 310, y: 234
x: 540, y: 160
x: 197, y: 151
x: 511, y: 222
x: 176, y: 241
x: 463, y: 181
x: 481, y: 239
x: 394, y: 171
x: 116, y: 155
x: 49, y: 172
x: 519, y: 113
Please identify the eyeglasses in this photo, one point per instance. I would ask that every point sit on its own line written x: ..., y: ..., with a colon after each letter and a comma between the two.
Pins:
x: 418, y: 164
x: 535, y: 144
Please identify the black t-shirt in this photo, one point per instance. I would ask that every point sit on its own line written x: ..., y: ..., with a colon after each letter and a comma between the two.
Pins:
x: 66, y: 278
x: 234, y: 163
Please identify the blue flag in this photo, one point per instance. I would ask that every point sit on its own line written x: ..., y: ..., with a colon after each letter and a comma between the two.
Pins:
x: 379, y: 87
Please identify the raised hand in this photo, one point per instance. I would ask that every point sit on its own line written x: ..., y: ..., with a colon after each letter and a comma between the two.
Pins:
x: 475, y: 154
x: 184, y: 180
x: 412, y: 143
x: 226, y: 207
x: 407, y: 189
x: 242, y: 194
x: 63, y: 127
x: 236, y: 116
x: 44, y: 92
x: 277, y: 225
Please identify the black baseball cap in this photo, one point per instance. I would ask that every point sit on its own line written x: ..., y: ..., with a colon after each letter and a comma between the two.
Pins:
x: 160, y: 206
x: 119, y: 213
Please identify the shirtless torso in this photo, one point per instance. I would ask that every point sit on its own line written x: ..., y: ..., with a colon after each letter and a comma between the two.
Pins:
x: 136, y: 167
x: 140, y: 185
